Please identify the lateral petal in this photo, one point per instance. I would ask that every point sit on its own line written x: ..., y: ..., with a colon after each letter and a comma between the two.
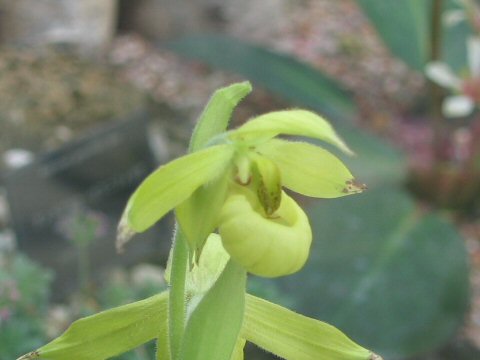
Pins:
x: 310, y: 170
x: 289, y: 122
x: 169, y: 186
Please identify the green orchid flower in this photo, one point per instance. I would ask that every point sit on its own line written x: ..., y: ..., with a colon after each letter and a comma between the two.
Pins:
x: 231, y: 181
x: 234, y: 183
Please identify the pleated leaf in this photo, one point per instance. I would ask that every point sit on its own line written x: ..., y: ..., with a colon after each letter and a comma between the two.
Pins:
x: 109, y: 333
x: 310, y: 170
x: 289, y: 122
x: 216, y: 115
x: 214, y: 326
x: 296, y: 337
x: 169, y: 186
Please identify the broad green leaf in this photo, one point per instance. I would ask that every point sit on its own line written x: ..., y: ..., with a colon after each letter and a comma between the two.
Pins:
x: 310, y: 170
x: 198, y: 215
x: 404, y: 27
x: 108, y: 333
x: 216, y: 115
x: 214, y: 326
x: 169, y: 186
x: 296, y: 337
x: 282, y: 74
x: 392, y: 278
x: 289, y: 122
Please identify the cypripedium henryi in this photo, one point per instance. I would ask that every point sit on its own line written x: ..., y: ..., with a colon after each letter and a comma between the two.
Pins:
x: 231, y: 181
x: 234, y: 183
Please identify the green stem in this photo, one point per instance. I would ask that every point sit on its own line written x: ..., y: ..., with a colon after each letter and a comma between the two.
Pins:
x: 436, y: 30
x: 435, y: 90
x: 176, y: 308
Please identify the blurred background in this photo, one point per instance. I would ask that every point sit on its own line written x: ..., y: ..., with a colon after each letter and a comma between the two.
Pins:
x: 96, y: 94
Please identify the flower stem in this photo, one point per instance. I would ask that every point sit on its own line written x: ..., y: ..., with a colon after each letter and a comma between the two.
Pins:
x: 176, y: 309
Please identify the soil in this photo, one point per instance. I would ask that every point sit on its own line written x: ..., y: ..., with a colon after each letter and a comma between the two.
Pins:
x: 48, y: 97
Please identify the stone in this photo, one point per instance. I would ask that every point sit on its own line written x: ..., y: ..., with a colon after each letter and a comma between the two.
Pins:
x: 163, y: 19
x: 87, y: 25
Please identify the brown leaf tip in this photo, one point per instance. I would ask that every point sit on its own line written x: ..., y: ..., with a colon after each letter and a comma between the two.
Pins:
x: 353, y: 187
x: 124, y: 234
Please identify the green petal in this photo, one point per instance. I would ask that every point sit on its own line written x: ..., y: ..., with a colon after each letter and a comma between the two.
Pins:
x: 109, y: 333
x: 289, y: 122
x: 169, y: 186
x: 310, y: 170
x: 215, y: 324
x: 198, y: 215
x: 296, y: 337
x: 216, y: 115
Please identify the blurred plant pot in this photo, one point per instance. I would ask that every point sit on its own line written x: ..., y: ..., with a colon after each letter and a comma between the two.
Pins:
x: 86, y: 25
x: 447, y: 186
x: 446, y: 172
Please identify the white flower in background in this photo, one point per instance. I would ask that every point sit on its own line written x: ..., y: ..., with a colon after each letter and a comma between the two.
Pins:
x: 466, y: 90
x: 17, y: 158
x: 466, y: 11
x: 454, y: 17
